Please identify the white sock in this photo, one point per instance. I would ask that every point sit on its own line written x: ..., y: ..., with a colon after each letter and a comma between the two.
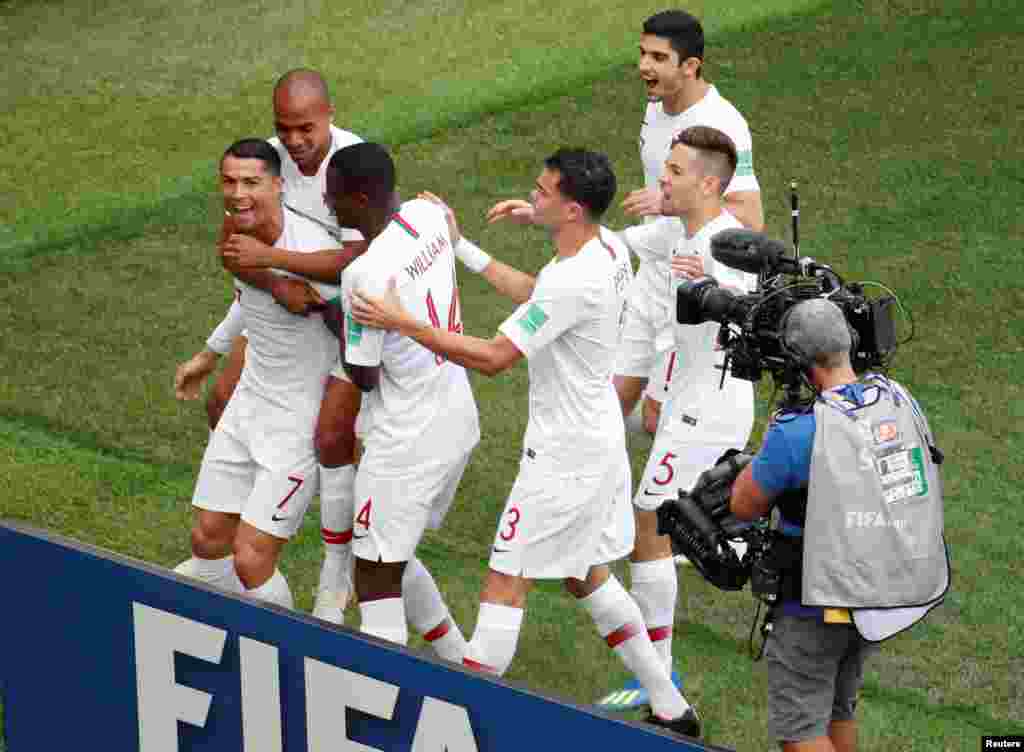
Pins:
x: 385, y: 618
x: 619, y: 622
x: 494, y: 641
x: 216, y: 572
x: 337, y: 506
x: 655, y: 589
x: 275, y: 590
x: 428, y: 615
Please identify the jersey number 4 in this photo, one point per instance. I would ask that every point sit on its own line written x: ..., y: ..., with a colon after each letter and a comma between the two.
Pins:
x: 454, y: 317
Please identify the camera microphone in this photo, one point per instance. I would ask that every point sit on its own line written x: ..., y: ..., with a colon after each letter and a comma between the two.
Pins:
x: 752, y: 252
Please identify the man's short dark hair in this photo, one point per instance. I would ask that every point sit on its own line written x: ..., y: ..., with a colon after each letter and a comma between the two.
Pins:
x: 256, y: 148
x: 365, y: 168
x: 716, y: 149
x: 683, y: 32
x: 586, y: 177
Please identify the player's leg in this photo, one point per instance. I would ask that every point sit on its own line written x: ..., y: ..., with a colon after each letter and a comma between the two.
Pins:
x: 620, y: 623
x: 502, y: 607
x: 393, y: 508
x: 549, y: 529
x: 654, y: 585
x: 629, y: 390
x: 226, y: 382
x: 225, y: 479
x: 335, y: 448
x: 212, y: 561
x: 282, y: 492
x: 256, y: 555
x: 424, y: 606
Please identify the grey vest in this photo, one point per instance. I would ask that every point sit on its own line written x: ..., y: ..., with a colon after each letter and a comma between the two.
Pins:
x: 873, y: 535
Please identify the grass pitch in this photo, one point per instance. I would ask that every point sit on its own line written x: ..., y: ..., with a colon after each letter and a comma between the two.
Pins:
x: 896, y: 118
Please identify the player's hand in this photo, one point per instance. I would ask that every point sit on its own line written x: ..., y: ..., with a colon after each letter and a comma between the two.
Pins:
x: 453, y: 225
x: 687, y: 266
x: 190, y: 375
x: 515, y: 209
x: 297, y: 296
x: 240, y: 252
x: 380, y: 312
x: 645, y: 202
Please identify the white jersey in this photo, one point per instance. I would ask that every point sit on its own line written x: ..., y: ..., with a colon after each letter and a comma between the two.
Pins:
x: 423, y: 408
x: 570, y: 330
x: 288, y: 356
x: 697, y: 369
x: 656, y: 136
x: 714, y: 111
x: 304, y: 193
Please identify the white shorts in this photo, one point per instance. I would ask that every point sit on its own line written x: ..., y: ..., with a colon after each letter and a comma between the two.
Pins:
x: 690, y: 438
x: 647, y: 349
x: 259, y: 464
x: 619, y: 533
x: 395, y: 505
x: 552, y: 524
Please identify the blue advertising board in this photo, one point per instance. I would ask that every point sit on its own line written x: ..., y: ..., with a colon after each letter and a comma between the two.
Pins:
x: 99, y: 651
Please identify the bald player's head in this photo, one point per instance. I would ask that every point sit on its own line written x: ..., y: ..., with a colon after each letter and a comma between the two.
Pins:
x: 302, y: 117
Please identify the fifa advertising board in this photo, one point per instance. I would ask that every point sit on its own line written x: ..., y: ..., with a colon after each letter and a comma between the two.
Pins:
x: 99, y: 651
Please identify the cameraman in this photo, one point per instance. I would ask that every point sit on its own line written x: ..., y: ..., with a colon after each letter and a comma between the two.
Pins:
x: 875, y: 545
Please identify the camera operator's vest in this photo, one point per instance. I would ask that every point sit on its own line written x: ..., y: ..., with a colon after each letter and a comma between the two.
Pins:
x: 873, y: 535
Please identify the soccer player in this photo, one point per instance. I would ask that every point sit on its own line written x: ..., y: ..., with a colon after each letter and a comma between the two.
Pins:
x: 706, y: 413
x: 568, y: 512
x: 306, y: 138
x: 259, y: 471
x: 671, y: 67
x: 421, y: 415
x: 305, y: 142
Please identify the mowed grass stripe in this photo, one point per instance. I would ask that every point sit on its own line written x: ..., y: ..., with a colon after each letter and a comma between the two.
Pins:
x: 120, y: 106
x: 165, y: 288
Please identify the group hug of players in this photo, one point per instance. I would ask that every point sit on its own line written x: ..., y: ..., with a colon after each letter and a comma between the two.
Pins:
x: 316, y: 204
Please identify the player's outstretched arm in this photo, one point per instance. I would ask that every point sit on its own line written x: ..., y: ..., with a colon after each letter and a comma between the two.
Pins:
x: 505, y: 279
x: 509, y: 281
x: 247, y: 253
x: 489, y: 357
x: 746, y: 207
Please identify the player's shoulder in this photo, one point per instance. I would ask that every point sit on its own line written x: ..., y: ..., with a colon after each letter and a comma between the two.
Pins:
x: 422, y: 209
x: 341, y: 138
x: 718, y: 112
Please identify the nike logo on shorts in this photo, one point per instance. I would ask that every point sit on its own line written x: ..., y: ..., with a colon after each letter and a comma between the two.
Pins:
x: 275, y: 518
x: 653, y: 493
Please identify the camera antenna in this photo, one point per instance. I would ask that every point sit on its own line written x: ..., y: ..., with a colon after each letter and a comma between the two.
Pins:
x: 794, y: 212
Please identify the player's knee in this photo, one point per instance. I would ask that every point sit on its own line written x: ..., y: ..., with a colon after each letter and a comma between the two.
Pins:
x: 210, y: 540
x: 334, y: 447
x: 376, y: 579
